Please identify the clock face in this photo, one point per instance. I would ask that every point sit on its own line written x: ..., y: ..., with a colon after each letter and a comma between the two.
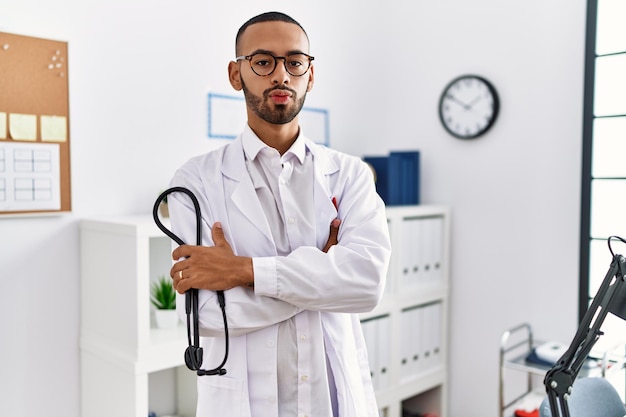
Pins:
x: 468, y: 106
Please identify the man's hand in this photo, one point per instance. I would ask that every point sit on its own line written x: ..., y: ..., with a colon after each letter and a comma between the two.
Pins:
x: 214, y: 268
x: 332, y: 237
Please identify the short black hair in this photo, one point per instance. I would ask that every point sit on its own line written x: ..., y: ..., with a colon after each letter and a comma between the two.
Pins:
x: 267, y: 17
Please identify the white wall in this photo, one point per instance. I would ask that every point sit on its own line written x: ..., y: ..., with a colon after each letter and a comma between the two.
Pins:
x: 139, y: 72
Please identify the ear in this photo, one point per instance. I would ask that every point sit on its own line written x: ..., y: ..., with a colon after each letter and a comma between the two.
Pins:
x: 309, y: 85
x: 234, y: 75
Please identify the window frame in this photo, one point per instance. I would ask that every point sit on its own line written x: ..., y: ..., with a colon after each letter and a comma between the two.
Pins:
x: 593, y: 230
x: 588, y: 120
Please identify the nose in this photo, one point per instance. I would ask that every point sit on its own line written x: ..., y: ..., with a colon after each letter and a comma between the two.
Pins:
x: 280, y: 74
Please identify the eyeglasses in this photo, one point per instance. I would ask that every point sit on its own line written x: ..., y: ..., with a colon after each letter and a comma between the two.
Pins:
x: 263, y: 63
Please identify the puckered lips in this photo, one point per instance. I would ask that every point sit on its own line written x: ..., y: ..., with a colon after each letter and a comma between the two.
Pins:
x: 280, y: 96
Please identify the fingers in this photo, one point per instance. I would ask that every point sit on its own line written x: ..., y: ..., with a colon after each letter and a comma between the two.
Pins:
x: 332, y: 235
x: 334, y: 230
x: 183, y: 286
x: 179, y: 274
x: 217, y: 233
x: 183, y: 251
x: 177, y: 270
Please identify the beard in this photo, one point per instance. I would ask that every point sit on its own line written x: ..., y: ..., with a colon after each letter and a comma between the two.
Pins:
x: 281, y: 114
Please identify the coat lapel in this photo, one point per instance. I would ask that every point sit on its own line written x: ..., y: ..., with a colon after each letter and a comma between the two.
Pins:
x: 243, y: 207
x: 323, y: 192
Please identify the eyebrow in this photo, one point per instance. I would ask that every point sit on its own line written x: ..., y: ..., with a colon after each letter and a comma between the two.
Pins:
x: 265, y: 51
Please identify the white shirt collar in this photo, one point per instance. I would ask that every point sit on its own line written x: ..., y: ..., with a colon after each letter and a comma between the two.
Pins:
x: 252, y: 145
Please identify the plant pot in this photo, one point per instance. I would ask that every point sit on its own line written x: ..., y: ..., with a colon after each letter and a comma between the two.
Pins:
x: 166, y: 319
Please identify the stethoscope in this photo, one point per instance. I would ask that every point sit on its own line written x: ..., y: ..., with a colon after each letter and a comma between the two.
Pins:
x: 193, y: 353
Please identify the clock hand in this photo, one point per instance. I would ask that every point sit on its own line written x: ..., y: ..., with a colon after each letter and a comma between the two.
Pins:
x: 456, y: 100
x: 476, y: 100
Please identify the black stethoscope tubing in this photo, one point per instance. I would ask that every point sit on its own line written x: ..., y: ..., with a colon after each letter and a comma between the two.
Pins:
x: 193, y: 353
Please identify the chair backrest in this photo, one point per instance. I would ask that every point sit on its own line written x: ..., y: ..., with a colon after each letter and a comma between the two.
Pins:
x: 591, y: 397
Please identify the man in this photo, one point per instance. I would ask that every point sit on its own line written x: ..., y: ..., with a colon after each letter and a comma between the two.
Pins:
x: 292, y: 287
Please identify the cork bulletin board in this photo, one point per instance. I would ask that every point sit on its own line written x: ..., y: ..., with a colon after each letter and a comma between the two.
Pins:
x: 34, y: 126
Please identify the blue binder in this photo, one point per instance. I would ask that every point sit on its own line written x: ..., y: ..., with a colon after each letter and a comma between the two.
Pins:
x: 404, y: 177
x: 397, y: 177
x: 380, y: 166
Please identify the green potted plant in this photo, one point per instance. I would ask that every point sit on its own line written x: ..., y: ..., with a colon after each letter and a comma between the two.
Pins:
x: 163, y: 298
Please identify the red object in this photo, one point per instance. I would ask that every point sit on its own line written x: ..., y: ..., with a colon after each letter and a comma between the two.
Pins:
x: 524, y: 413
x: 334, y: 200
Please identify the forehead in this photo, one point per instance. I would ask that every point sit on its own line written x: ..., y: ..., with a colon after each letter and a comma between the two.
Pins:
x: 277, y: 37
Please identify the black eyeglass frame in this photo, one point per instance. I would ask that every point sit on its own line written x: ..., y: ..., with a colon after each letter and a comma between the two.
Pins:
x: 276, y: 58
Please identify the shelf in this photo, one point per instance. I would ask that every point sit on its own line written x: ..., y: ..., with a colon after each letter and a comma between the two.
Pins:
x: 141, y: 226
x: 421, y: 295
x: 408, y: 388
x: 165, y: 350
x: 602, y: 368
x: 410, y: 299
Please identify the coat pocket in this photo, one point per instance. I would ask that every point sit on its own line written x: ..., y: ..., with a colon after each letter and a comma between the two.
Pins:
x: 221, y: 396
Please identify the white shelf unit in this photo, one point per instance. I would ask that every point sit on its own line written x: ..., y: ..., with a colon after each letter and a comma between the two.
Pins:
x: 120, y: 347
x: 408, y: 348
x: 122, y: 354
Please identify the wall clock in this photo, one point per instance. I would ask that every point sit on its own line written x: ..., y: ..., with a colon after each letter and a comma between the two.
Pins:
x: 468, y: 106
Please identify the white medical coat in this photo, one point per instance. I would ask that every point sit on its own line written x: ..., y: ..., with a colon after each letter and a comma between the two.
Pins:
x: 325, y: 290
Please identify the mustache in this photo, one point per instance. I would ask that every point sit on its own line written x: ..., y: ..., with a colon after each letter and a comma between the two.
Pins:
x: 267, y: 92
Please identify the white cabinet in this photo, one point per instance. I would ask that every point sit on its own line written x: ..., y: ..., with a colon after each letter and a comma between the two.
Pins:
x: 128, y: 367
x: 407, y: 334
x: 120, y: 348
